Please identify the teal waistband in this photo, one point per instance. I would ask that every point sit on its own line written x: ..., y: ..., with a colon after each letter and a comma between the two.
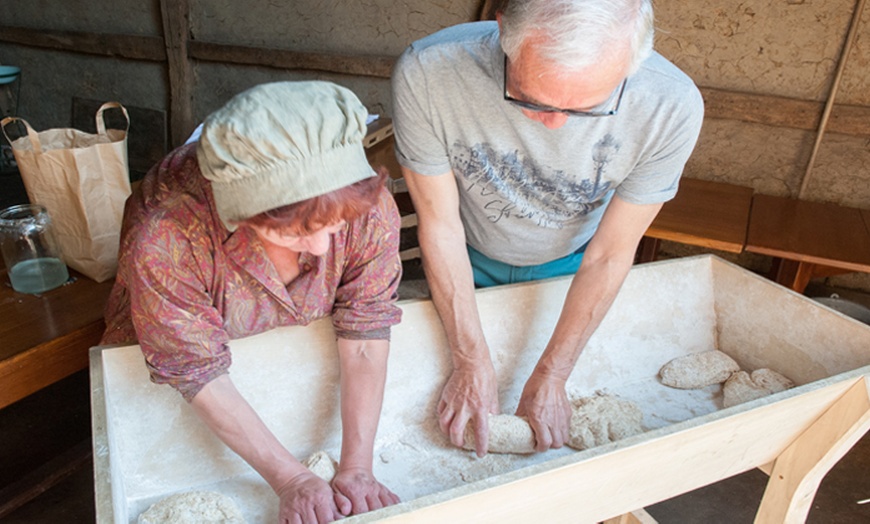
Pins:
x: 489, y: 272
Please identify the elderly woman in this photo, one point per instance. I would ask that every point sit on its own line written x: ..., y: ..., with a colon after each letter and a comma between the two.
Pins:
x: 273, y: 218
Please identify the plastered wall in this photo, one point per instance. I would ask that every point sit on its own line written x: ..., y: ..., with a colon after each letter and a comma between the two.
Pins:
x: 786, y: 48
x: 375, y: 27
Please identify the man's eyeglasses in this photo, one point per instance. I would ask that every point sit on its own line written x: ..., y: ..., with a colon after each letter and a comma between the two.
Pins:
x: 540, y: 108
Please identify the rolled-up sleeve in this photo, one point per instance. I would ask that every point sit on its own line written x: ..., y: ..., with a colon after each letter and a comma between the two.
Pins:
x: 365, y: 299
x: 179, y: 329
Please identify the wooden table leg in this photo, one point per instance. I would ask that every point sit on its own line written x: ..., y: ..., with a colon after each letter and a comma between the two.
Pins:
x: 798, y: 471
x: 792, y: 274
x: 647, y: 250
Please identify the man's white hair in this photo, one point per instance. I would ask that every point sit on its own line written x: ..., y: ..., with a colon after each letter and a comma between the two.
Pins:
x: 576, y: 34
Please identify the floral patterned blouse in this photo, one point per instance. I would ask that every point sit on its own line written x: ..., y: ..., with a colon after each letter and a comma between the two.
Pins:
x: 186, y: 285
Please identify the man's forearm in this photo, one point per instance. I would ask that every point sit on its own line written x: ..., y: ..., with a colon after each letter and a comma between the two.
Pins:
x: 606, y: 263
x: 592, y: 292
x: 448, y: 272
x: 445, y: 260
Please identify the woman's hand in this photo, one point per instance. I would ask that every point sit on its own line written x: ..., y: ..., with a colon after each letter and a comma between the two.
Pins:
x: 304, y: 497
x: 308, y: 499
x: 363, y: 491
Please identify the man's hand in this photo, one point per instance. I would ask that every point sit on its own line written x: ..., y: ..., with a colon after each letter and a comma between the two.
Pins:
x: 471, y: 393
x: 363, y: 491
x: 545, y: 403
x: 308, y: 499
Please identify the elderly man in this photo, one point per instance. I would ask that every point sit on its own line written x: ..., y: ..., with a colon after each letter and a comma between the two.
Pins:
x: 530, y: 144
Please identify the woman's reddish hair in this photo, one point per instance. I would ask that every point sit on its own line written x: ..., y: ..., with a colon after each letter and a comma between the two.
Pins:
x: 308, y: 216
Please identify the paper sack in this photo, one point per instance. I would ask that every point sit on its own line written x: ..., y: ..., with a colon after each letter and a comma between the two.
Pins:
x: 83, y: 180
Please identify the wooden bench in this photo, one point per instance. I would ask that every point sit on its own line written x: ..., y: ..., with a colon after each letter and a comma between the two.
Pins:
x: 713, y: 215
x: 805, y: 239
x: 808, y: 239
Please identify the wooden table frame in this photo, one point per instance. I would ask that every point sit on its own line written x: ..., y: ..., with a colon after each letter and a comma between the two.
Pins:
x: 46, y: 338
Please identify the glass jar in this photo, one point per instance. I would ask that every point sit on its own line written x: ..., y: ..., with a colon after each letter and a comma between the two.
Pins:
x: 30, y: 252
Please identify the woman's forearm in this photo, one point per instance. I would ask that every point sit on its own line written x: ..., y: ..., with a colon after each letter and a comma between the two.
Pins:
x: 363, y: 374
x: 220, y: 405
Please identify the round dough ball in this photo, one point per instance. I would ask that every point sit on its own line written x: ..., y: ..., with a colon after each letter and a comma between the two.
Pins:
x: 698, y: 370
x: 771, y: 380
x: 743, y: 387
x: 601, y: 419
x: 193, y: 507
x: 507, y: 434
x: 322, y: 465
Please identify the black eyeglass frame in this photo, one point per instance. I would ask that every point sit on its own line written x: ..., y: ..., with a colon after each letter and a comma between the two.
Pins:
x: 540, y: 108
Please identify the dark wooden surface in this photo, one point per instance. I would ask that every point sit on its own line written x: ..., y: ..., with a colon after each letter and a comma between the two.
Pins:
x: 808, y: 239
x: 134, y: 47
x: 783, y: 112
x: 43, y: 478
x: 378, y: 66
x: 814, y: 232
x: 708, y: 214
x: 46, y: 337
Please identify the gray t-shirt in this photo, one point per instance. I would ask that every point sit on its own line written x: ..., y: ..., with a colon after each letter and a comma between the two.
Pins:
x: 529, y: 194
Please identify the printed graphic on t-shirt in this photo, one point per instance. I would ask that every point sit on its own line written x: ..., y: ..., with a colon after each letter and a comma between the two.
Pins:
x: 512, y: 186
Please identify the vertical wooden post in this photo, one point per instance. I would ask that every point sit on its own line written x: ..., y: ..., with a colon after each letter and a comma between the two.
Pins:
x: 792, y: 274
x: 647, y: 250
x: 176, y: 33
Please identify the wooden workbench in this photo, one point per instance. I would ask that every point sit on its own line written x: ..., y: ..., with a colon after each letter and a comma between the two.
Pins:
x: 46, y: 337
